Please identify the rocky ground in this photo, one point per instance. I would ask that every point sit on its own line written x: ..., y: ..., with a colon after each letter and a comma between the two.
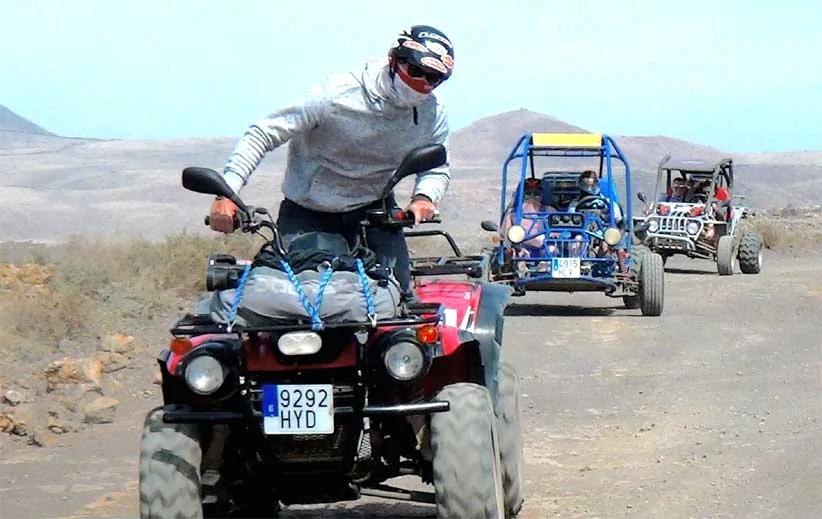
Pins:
x: 712, y: 410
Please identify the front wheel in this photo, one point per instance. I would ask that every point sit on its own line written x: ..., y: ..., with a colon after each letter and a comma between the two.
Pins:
x: 170, y: 458
x: 651, y: 285
x: 725, y: 257
x: 467, y: 467
x: 510, y: 439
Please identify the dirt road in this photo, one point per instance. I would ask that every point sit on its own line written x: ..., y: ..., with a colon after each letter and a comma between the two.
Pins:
x: 713, y: 410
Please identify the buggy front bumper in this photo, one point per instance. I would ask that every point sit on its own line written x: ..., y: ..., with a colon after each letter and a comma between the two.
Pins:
x: 546, y: 283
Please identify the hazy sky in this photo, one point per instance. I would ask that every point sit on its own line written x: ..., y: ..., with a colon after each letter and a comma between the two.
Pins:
x: 741, y: 75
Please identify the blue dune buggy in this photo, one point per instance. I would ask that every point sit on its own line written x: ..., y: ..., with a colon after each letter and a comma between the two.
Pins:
x: 556, y: 236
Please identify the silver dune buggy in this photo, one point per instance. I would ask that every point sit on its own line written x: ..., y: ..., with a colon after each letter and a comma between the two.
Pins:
x: 695, y: 213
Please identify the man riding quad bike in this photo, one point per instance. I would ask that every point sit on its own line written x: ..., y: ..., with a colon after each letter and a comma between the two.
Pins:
x: 345, y: 139
x: 566, y: 230
x: 693, y: 213
x: 307, y: 377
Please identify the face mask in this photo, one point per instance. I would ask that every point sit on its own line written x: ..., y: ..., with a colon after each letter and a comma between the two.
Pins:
x: 398, y: 92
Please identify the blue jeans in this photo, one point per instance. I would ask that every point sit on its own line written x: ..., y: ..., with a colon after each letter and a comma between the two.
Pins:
x: 388, y: 245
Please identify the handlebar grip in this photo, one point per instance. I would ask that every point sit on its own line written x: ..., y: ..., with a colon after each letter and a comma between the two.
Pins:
x: 409, y: 218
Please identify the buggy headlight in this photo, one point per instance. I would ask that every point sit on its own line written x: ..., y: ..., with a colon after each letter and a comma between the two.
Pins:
x: 299, y: 343
x: 612, y: 236
x: 653, y: 225
x: 516, y: 234
x: 692, y: 228
x: 404, y: 360
x: 204, y: 374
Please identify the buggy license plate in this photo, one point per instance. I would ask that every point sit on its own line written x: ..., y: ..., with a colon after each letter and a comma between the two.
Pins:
x: 565, y: 267
x: 298, y: 409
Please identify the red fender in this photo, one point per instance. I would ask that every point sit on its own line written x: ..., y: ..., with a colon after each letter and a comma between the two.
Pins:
x: 460, y: 299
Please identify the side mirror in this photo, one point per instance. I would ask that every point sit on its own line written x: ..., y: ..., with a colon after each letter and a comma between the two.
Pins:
x: 641, y: 227
x: 488, y: 225
x: 418, y: 160
x: 209, y: 182
x: 642, y: 197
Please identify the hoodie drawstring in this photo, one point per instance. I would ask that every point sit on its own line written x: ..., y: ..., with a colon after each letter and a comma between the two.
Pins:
x: 416, y: 119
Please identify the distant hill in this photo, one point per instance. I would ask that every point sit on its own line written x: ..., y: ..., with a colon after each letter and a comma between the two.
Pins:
x: 488, y: 141
x: 10, y: 122
x: 54, y: 187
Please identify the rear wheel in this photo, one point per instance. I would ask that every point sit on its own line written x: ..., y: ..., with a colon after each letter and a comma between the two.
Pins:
x: 725, y: 257
x: 510, y: 439
x: 467, y: 467
x: 170, y: 457
x: 651, y: 285
x: 750, y: 253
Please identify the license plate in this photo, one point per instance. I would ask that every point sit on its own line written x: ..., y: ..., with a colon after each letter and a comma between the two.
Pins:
x: 565, y: 267
x: 298, y: 409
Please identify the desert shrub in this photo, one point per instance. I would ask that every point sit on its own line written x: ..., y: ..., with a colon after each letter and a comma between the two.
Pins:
x: 773, y: 234
x: 105, y: 286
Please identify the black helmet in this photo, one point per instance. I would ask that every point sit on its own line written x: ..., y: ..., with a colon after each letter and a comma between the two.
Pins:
x: 588, y: 183
x: 425, y: 47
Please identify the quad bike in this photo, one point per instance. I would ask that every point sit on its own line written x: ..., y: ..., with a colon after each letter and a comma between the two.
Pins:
x: 553, y: 239
x: 704, y: 223
x: 297, y: 412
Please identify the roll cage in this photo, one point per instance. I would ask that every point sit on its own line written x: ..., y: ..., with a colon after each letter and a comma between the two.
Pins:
x: 719, y: 174
x: 567, y: 145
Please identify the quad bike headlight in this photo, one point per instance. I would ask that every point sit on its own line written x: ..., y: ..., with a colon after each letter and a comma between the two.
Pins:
x: 204, y: 374
x: 692, y: 228
x: 612, y: 236
x: 405, y: 360
x: 653, y: 225
x: 299, y: 343
x: 516, y: 234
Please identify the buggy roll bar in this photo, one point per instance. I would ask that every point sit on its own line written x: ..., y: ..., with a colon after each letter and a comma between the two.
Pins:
x: 532, y: 145
x: 724, y: 165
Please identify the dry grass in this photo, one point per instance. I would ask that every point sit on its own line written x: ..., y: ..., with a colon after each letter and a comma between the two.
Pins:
x: 102, y: 287
x: 789, y: 234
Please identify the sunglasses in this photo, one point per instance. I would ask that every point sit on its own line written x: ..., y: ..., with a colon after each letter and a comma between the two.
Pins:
x: 433, y: 77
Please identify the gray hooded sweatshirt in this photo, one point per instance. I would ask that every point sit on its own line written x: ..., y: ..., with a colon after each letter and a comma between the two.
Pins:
x: 346, y: 139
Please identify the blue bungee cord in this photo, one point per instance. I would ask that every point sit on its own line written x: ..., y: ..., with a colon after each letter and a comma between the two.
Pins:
x: 312, y: 310
x: 238, y: 295
x: 369, y: 302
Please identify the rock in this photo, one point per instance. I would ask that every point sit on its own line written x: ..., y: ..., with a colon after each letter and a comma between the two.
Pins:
x: 112, y: 361
x: 73, y: 397
x: 12, y: 425
x: 13, y: 397
x: 57, y: 426
x: 101, y: 410
x: 40, y: 438
x: 117, y: 343
x: 73, y: 371
x: 7, y: 423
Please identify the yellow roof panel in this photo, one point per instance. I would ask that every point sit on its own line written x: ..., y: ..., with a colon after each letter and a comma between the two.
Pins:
x: 566, y: 140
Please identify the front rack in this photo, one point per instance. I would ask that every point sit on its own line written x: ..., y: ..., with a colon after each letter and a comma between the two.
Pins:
x: 458, y: 264
x: 416, y: 314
